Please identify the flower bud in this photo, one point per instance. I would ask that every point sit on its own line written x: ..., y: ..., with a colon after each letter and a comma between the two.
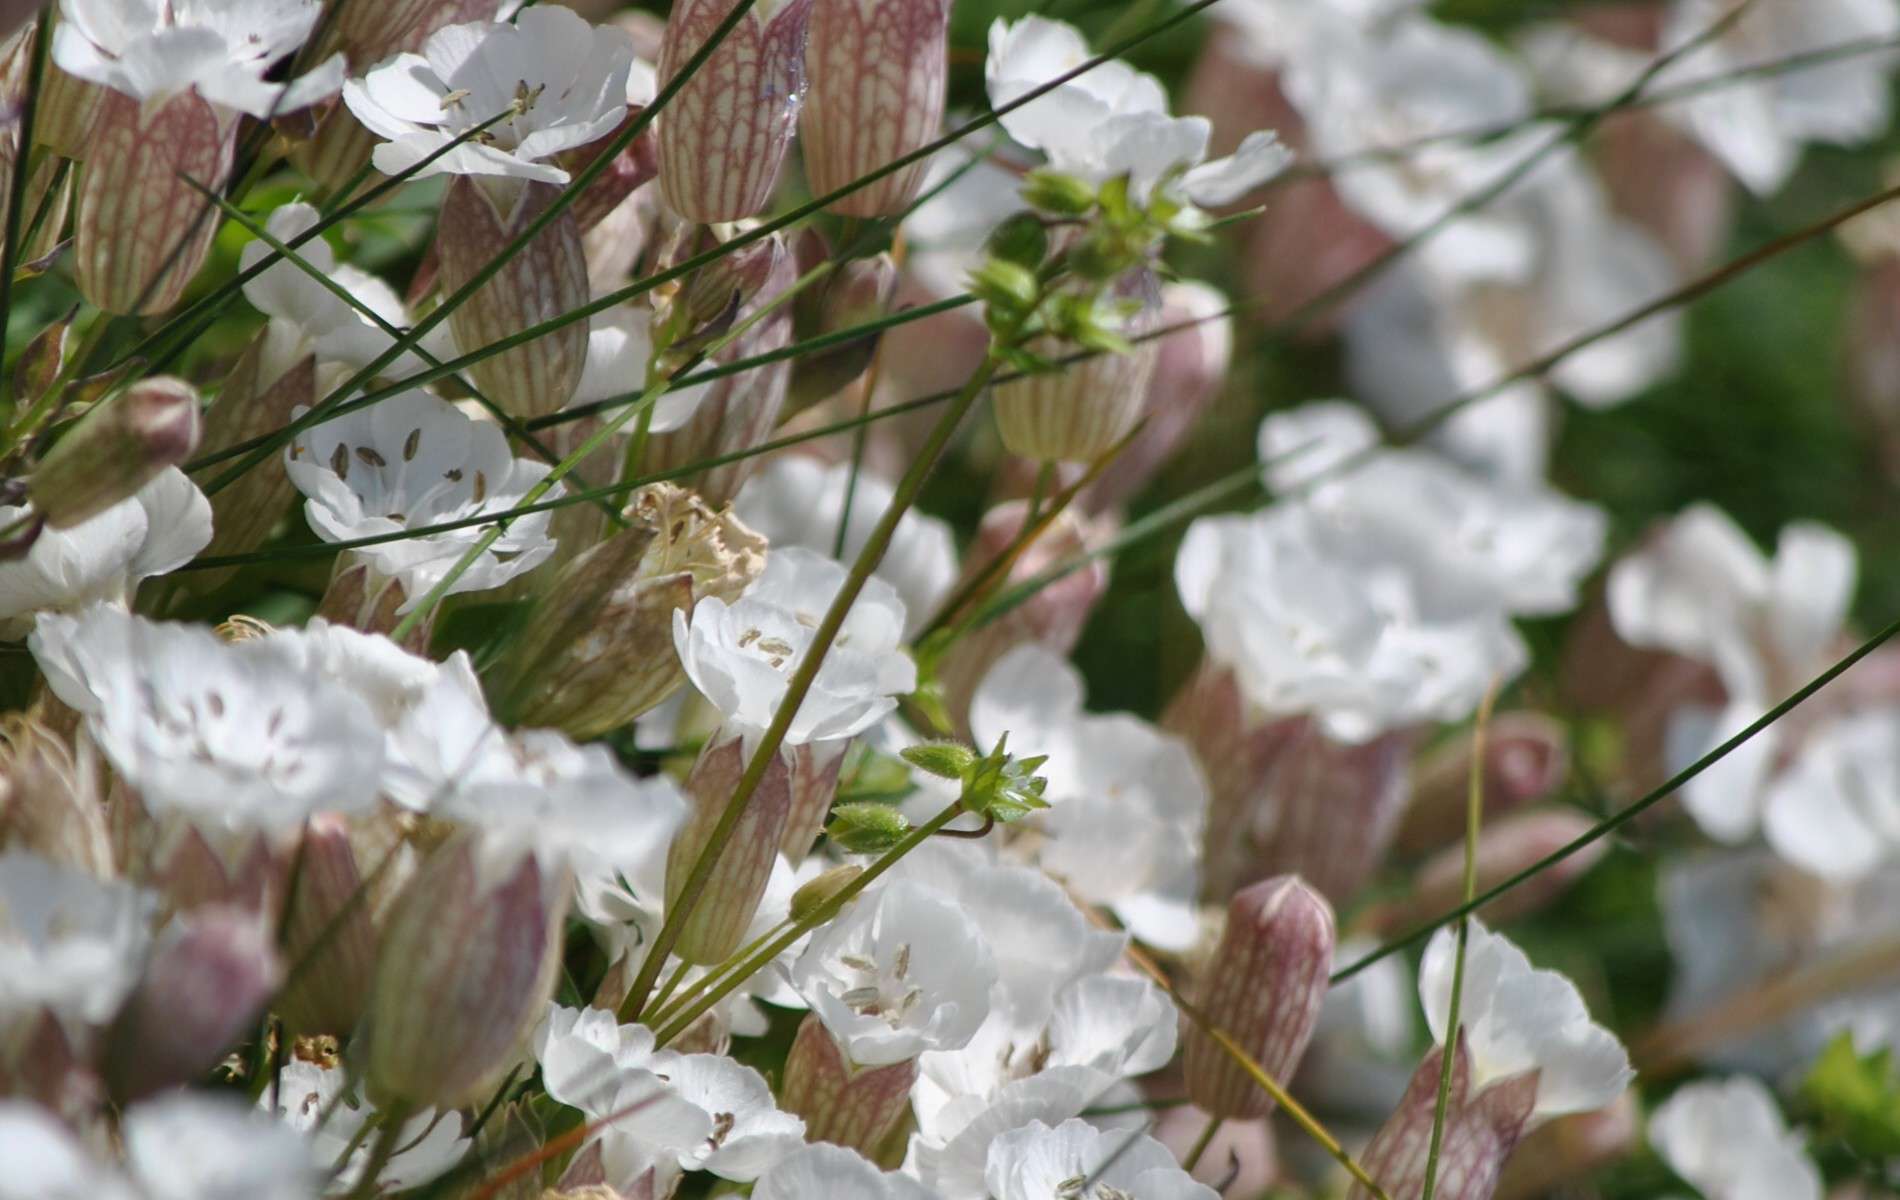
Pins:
x: 817, y: 892
x: 596, y: 650
x: 344, y: 889
x: 1191, y: 365
x: 740, y: 411
x: 465, y: 970
x: 41, y: 189
x: 547, y: 279
x: 1505, y: 848
x: 192, y: 871
x: 637, y: 164
x: 1263, y: 989
x: 115, y: 449
x: 143, y: 229
x: 738, y: 275
x: 250, y: 404
x: 1329, y: 809
x: 860, y: 292
x: 731, y: 897
x: 1480, y: 1132
x: 877, y: 75
x: 1052, y: 617
x: 841, y: 1102
x: 50, y: 801
x: 69, y: 108
x: 211, y: 974
x: 1236, y: 746
x: 724, y: 135
x: 1526, y: 756
x: 814, y: 786
x: 1078, y: 411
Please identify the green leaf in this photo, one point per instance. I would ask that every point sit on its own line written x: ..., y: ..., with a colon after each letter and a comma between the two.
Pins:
x: 1856, y: 1097
x: 945, y: 760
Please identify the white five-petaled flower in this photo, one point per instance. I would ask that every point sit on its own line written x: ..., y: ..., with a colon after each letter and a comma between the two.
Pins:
x: 1836, y: 811
x: 562, y: 82
x: 1700, y: 589
x: 1517, y: 1018
x: 825, y: 1172
x: 233, y: 735
x: 903, y: 971
x: 1128, y: 801
x: 1078, y: 1161
x: 741, y: 655
x: 413, y: 460
x: 69, y: 943
x: 1727, y: 1137
x: 152, y: 50
x: 797, y: 501
x: 1113, y: 120
x: 157, y: 529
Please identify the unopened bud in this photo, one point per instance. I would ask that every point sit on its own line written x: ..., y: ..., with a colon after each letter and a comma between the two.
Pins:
x: 69, y: 108
x: 465, y: 970
x: 50, y: 802
x: 48, y: 188
x: 1052, y: 617
x: 1505, y: 848
x: 258, y: 397
x: 348, y: 874
x: 1059, y: 193
x: 1526, y: 755
x: 877, y: 74
x: 841, y: 1102
x: 1330, y: 808
x: 1480, y: 1131
x: 814, y: 786
x: 1078, y: 411
x: 813, y: 895
x: 866, y: 827
x: 739, y: 875
x: 724, y: 136
x: 859, y: 293
x: 116, y: 449
x: 210, y: 976
x: 546, y: 280
x: 1235, y: 746
x: 143, y: 228
x: 1263, y: 989
x: 596, y: 649
x: 1020, y: 239
x: 713, y: 293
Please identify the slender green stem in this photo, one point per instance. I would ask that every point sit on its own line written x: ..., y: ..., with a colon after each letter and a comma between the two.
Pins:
x: 23, y: 171
x: 661, y: 1010
x: 810, y: 921
x: 1474, y: 817
x: 802, y: 678
x: 381, y: 1150
x: 1630, y: 812
x: 1201, y: 1144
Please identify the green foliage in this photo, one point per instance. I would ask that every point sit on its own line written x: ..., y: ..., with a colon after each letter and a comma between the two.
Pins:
x: 864, y: 827
x: 1855, y: 1097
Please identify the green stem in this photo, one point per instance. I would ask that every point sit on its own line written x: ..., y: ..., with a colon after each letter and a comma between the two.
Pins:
x: 1201, y: 1144
x: 381, y: 1150
x: 810, y: 921
x: 1474, y: 817
x: 802, y: 678
x: 661, y: 1010
x: 23, y: 171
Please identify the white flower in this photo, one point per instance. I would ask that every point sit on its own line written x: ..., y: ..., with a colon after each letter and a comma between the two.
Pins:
x: 46, y: 1162
x: 152, y: 50
x: 1728, y: 1139
x: 569, y: 79
x: 1278, y: 33
x: 1517, y: 1018
x: 950, y: 1154
x: 1836, y: 810
x: 1702, y: 590
x: 311, y: 1100
x: 307, y: 318
x: 1075, y: 1159
x: 184, y: 1146
x: 1758, y: 125
x: 1128, y: 802
x: 158, y: 529
x: 898, y: 973
x: 824, y: 1172
x: 795, y: 500
x: 232, y: 735
x: 69, y: 942
x: 1113, y: 120
x: 741, y: 656
x: 413, y: 460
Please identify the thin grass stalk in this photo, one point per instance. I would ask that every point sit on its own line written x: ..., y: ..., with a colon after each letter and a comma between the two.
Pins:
x: 1630, y: 812
x: 1474, y: 817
